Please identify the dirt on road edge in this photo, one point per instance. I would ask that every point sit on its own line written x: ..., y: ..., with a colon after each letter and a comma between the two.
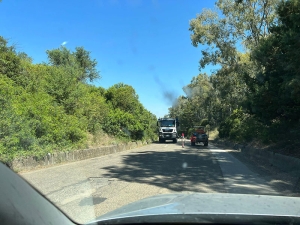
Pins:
x: 284, y: 181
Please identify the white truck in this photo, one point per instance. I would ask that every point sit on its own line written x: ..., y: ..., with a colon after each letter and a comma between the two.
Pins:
x: 167, y: 129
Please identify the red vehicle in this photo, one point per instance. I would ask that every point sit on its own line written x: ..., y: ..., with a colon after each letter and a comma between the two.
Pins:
x: 199, y: 135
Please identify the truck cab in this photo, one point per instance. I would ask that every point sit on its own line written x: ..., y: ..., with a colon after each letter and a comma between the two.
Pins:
x: 167, y: 129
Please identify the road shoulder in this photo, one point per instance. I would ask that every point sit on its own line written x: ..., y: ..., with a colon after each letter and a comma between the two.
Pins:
x: 285, y: 183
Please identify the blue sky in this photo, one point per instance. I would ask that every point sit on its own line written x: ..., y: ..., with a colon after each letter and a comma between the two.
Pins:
x: 142, y: 43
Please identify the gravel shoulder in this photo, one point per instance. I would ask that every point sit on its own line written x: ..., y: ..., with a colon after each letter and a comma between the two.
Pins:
x: 287, y: 184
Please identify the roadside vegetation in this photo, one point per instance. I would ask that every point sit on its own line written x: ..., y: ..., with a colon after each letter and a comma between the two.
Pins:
x: 254, y: 92
x: 53, y: 106
x: 252, y: 95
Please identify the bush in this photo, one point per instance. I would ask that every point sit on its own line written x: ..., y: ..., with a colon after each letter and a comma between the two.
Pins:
x: 204, y: 122
x: 51, y: 107
x: 240, y: 126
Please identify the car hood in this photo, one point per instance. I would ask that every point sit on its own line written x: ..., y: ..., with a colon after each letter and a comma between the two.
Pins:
x: 203, y: 208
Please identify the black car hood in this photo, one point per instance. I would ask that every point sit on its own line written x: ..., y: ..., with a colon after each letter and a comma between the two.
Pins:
x: 204, y: 208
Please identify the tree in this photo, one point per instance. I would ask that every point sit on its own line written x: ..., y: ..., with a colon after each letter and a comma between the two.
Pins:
x: 184, y: 112
x: 198, y: 94
x: 241, y: 24
x: 127, y: 116
x: 249, y: 20
x: 92, y: 106
x: 79, y: 60
x: 276, y: 89
x: 230, y: 34
x: 10, y: 62
x: 50, y: 107
x: 122, y: 96
x: 199, y: 104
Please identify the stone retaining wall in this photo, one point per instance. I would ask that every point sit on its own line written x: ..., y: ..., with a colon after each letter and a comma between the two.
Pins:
x: 29, y: 163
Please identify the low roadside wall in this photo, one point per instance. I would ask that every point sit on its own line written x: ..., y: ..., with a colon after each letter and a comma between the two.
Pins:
x: 29, y: 163
x: 282, y: 162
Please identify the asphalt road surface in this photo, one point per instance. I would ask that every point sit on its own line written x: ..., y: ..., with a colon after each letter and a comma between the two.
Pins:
x: 93, y: 187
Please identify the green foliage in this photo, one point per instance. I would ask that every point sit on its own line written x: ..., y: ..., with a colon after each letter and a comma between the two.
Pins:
x: 240, y: 23
x: 276, y: 89
x: 120, y: 123
x: 62, y: 84
x: 92, y: 106
x: 50, y: 107
x: 10, y: 63
x: 255, y: 92
x: 198, y: 104
x: 232, y: 125
x: 79, y: 60
x: 204, y: 122
x: 229, y: 33
x: 32, y: 122
x: 128, y: 118
x: 122, y: 96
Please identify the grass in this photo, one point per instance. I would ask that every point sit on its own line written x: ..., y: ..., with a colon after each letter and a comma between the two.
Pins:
x: 213, y: 134
x: 99, y: 139
x: 92, y: 141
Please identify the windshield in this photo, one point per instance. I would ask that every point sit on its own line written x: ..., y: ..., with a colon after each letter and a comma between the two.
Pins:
x: 167, y: 123
x: 83, y: 85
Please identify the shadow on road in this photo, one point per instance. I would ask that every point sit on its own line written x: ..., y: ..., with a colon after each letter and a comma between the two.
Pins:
x: 247, y: 176
x: 192, y: 168
x: 284, y: 182
x: 91, y: 201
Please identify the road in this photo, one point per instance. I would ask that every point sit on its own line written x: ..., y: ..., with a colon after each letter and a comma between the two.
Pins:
x: 93, y: 187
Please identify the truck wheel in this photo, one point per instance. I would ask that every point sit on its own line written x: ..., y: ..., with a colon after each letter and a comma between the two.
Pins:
x: 193, y: 143
x: 160, y: 140
x: 175, y: 140
x: 206, y: 143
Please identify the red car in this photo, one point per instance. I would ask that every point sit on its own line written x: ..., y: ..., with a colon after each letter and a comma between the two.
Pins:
x: 199, y: 136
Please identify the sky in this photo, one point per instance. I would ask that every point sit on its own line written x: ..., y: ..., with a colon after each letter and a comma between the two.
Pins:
x: 142, y: 43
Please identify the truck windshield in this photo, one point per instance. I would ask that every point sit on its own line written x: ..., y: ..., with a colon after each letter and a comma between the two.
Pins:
x: 167, y: 123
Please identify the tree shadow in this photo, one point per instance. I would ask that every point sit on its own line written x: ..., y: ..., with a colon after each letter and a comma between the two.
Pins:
x: 91, y: 201
x: 192, y: 168
x: 285, y: 183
